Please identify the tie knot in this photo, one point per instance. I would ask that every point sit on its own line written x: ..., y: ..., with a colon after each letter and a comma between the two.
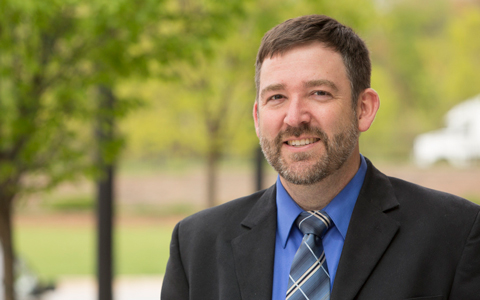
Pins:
x: 315, y: 222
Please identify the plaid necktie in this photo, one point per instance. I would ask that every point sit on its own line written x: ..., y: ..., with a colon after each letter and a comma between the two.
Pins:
x: 309, y: 277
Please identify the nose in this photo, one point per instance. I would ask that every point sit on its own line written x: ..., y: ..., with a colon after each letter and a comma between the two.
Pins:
x: 297, y: 113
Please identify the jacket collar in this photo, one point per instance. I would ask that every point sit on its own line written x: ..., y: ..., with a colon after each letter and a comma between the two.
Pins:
x: 254, y: 250
x: 369, y: 234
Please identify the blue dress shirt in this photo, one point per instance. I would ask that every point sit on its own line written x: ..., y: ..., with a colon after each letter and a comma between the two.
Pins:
x: 288, y: 236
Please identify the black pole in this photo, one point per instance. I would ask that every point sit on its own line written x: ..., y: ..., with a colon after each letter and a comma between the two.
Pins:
x: 105, y: 196
x: 105, y: 234
x: 259, y: 170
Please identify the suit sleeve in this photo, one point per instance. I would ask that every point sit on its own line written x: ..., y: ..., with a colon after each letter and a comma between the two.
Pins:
x: 175, y: 283
x: 466, y: 285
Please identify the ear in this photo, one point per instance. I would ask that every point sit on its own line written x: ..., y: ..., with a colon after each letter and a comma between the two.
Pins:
x: 255, y: 118
x: 367, y: 107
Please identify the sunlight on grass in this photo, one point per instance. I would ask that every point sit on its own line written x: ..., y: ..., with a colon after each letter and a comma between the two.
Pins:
x: 143, y: 250
x: 54, y: 251
x: 473, y: 198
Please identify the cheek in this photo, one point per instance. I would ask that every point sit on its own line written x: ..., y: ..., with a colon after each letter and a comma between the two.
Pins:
x: 326, y: 119
x: 334, y: 118
x: 269, y: 125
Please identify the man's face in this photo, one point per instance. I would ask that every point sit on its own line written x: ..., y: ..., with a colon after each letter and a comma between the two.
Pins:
x: 304, y: 116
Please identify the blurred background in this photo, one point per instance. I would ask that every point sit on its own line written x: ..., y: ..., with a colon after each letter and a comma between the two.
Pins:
x: 160, y: 93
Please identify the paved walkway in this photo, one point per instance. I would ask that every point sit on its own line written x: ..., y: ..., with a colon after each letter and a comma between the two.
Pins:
x: 125, y: 288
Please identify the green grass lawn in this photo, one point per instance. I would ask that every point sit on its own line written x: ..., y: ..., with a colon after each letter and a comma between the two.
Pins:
x: 55, y: 251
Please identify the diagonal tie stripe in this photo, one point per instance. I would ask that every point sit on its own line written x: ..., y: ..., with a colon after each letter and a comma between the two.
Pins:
x: 305, y: 276
x: 309, y: 277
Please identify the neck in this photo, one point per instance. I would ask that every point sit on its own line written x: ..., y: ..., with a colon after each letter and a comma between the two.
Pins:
x: 320, y: 194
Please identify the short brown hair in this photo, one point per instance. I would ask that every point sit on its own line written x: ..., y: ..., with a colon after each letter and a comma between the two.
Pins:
x: 319, y: 28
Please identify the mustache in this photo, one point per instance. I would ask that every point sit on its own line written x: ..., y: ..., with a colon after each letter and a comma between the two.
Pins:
x: 298, y: 131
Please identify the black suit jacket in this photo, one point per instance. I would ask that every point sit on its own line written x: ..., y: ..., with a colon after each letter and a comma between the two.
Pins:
x: 403, y: 242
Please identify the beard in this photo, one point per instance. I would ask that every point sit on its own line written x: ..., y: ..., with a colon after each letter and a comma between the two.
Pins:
x: 337, y: 151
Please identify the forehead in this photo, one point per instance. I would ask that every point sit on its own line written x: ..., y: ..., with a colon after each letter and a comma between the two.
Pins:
x: 303, y: 64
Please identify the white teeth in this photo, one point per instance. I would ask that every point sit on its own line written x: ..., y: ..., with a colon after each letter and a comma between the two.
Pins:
x: 301, y: 142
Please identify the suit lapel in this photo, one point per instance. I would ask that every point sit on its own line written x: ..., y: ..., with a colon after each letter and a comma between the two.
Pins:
x: 254, y: 250
x: 369, y: 234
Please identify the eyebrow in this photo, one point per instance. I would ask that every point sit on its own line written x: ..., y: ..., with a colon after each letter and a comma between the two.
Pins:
x: 320, y: 82
x: 272, y: 88
x: 308, y: 84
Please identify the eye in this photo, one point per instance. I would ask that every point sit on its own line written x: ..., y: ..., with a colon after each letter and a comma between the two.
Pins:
x: 275, y: 97
x: 321, y: 93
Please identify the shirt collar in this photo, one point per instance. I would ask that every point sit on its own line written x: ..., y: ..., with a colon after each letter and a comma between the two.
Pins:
x: 339, y: 209
x: 287, y: 211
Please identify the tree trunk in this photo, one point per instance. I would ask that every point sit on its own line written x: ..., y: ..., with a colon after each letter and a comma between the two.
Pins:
x: 7, y: 247
x: 105, y: 134
x: 212, y: 162
x: 259, y: 169
x: 105, y: 215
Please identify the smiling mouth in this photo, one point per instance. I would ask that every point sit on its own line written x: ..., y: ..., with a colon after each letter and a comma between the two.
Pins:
x: 302, y: 142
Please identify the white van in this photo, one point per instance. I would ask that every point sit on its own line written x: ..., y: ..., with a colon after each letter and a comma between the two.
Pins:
x: 458, y: 143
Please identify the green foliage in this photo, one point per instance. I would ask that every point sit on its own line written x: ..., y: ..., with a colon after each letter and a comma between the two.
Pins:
x: 55, y: 58
x: 45, y: 104
x: 457, y: 63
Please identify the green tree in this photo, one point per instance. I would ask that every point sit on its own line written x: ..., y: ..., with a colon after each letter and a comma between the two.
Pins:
x: 216, y: 97
x: 55, y: 56
x: 452, y: 58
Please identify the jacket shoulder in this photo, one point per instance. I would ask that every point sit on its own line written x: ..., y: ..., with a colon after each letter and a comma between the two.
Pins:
x: 224, y: 218
x: 391, y: 192
x: 422, y: 196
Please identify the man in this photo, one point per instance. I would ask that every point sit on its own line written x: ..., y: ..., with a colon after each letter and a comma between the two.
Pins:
x: 382, y: 238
